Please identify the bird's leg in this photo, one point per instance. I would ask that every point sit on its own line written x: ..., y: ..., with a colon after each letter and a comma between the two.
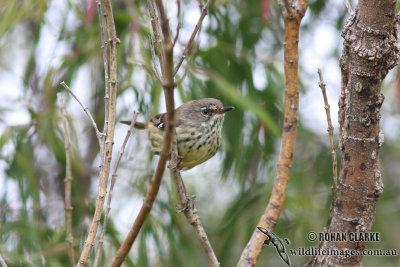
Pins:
x: 174, y: 165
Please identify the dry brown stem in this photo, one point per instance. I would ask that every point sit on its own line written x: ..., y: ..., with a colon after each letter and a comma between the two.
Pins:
x: 292, y: 18
x: 86, y: 109
x: 68, y: 179
x: 109, y: 138
x: 322, y: 85
x: 154, y: 59
x: 113, y: 180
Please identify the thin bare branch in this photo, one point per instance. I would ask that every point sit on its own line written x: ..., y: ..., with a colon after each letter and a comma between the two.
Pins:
x: 2, y: 262
x: 68, y: 179
x: 189, y: 209
x: 86, y: 109
x: 348, y: 6
x: 114, y: 177
x: 154, y: 60
x: 191, y: 59
x: 322, y: 85
x: 105, y: 170
x: 269, y: 218
x: 144, y: 66
x: 155, y: 23
x: 204, y: 13
x: 106, y: 70
x: 178, y: 25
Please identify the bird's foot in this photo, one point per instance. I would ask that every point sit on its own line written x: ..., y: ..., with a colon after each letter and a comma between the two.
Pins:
x: 174, y: 165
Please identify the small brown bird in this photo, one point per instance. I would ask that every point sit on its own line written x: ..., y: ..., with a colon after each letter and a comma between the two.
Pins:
x: 198, y: 130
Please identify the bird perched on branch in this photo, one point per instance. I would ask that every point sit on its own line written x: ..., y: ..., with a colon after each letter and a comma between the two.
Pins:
x: 198, y: 130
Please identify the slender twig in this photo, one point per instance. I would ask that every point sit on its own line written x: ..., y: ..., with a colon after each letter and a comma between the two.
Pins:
x: 348, y: 6
x: 86, y: 109
x: 180, y: 80
x: 167, y: 46
x: 178, y: 25
x: 154, y: 60
x: 68, y: 179
x: 274, y: 208
x: 144, y: 66
x: 105, y: 61
x: 204, y: 13
x: 113, y: 180
x: 189, y: 209
x: 2, y: 262
x: 113, y: 44
x: 322, y: 85
x: 201, y: 5
x: 155, y: 23
x: 106, y: 80
x: 187, y: 66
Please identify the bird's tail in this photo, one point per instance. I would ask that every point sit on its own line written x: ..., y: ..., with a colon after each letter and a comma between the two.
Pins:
x: 138, y: 125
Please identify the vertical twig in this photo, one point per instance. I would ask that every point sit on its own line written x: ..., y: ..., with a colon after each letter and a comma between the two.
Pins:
x: 178, y: 25
x: 113, y: 83
x: 113, y: 180
x: 68, y: 179
x: 322, y: 85
x: 292, y: 19
x: 155, y: 24
x: 154, y: 60
x: 105, y: 63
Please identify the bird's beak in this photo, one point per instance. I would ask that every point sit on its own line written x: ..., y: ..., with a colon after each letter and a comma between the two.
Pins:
x: 224, y: 110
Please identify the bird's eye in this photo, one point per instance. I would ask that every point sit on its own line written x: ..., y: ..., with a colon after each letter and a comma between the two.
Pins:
x: 204, y: 112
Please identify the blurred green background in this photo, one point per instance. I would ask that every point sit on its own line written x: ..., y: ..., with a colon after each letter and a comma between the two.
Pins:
x: 45, y: 42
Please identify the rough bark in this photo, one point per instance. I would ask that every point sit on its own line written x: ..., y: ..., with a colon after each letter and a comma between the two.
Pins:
x: 369, y: 52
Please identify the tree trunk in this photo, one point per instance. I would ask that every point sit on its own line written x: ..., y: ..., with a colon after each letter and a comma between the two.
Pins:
x: 369, y: 52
